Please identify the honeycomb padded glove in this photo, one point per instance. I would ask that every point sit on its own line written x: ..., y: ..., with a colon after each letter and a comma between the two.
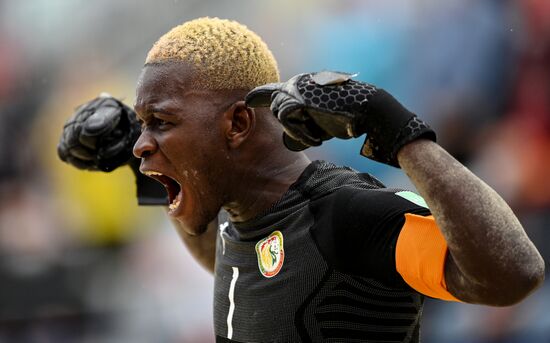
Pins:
x: 316, y: 107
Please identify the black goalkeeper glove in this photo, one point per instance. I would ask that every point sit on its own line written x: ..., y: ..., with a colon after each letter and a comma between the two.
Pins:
x: 316, y: 107
x: 100, y: 136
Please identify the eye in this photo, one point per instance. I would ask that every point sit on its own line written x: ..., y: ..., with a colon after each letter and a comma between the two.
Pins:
x: 161, y: 122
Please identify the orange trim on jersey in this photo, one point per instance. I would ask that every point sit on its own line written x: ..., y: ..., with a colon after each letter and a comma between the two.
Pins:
x: 420, y: 256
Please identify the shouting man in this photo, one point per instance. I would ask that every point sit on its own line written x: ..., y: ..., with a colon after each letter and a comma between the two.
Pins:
x: 304, y: 251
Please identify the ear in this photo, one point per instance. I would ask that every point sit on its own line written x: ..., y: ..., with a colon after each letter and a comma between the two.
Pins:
x: 240, y: 121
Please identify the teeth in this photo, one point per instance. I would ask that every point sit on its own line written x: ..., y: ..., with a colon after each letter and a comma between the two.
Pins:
x: 174, y: 204
x: 151, y: 173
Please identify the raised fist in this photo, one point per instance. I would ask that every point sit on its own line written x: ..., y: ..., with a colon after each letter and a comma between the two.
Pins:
x: 316, y: 107
x: 100, y: 135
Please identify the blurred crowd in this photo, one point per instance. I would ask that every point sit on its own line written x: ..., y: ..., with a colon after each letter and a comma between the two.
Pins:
x: 81, y: 262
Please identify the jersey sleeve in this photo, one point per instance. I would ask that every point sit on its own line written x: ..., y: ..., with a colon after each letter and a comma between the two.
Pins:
x: 420, y: 255
x: 366, y: 227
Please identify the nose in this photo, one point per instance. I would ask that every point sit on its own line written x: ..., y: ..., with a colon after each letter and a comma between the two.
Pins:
x: 145, y: 145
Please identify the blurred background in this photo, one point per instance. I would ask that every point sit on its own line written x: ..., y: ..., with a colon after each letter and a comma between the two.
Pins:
x: 80, y: 262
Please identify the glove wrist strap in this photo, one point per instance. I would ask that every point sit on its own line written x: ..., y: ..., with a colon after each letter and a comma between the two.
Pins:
x: 389, y: 126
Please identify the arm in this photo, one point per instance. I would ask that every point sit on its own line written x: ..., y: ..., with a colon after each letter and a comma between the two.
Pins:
x: 203, y: 247
x: 491, y: 260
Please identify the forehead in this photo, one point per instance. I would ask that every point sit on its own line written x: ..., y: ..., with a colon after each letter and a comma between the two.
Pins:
x: 161, y: 81
x: 172, y: 86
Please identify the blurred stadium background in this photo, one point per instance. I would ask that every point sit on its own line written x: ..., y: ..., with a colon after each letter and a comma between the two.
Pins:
x: 80, y: 262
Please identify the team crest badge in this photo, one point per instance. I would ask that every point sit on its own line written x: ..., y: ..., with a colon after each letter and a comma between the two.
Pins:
x: 270, y: 254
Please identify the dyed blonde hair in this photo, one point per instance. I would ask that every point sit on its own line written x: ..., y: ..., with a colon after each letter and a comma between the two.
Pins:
x: 223, y: 53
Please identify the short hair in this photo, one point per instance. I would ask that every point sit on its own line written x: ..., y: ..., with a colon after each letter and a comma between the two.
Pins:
x: 223, y: 53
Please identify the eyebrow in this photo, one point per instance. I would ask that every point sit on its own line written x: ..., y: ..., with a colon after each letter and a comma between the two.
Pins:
x: 156, y: 109
x: 148, y: 112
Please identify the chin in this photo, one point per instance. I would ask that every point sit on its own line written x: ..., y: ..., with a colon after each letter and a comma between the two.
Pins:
x: 193, y: 227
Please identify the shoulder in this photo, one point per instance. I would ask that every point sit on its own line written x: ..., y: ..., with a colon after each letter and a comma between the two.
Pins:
x: 363, y: 202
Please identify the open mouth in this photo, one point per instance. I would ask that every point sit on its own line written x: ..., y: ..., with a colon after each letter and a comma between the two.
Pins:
x: 173, y: 188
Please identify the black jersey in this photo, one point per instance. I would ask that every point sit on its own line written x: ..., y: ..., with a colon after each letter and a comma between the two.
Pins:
x: 318, y: 266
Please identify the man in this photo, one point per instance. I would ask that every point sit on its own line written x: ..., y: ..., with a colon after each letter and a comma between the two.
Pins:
x: 300, y: 250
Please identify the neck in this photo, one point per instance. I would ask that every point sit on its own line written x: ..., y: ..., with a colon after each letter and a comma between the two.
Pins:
x: 263, y: 182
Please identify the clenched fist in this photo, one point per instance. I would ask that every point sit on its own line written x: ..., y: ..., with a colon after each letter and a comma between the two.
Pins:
x: 316, y: 107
